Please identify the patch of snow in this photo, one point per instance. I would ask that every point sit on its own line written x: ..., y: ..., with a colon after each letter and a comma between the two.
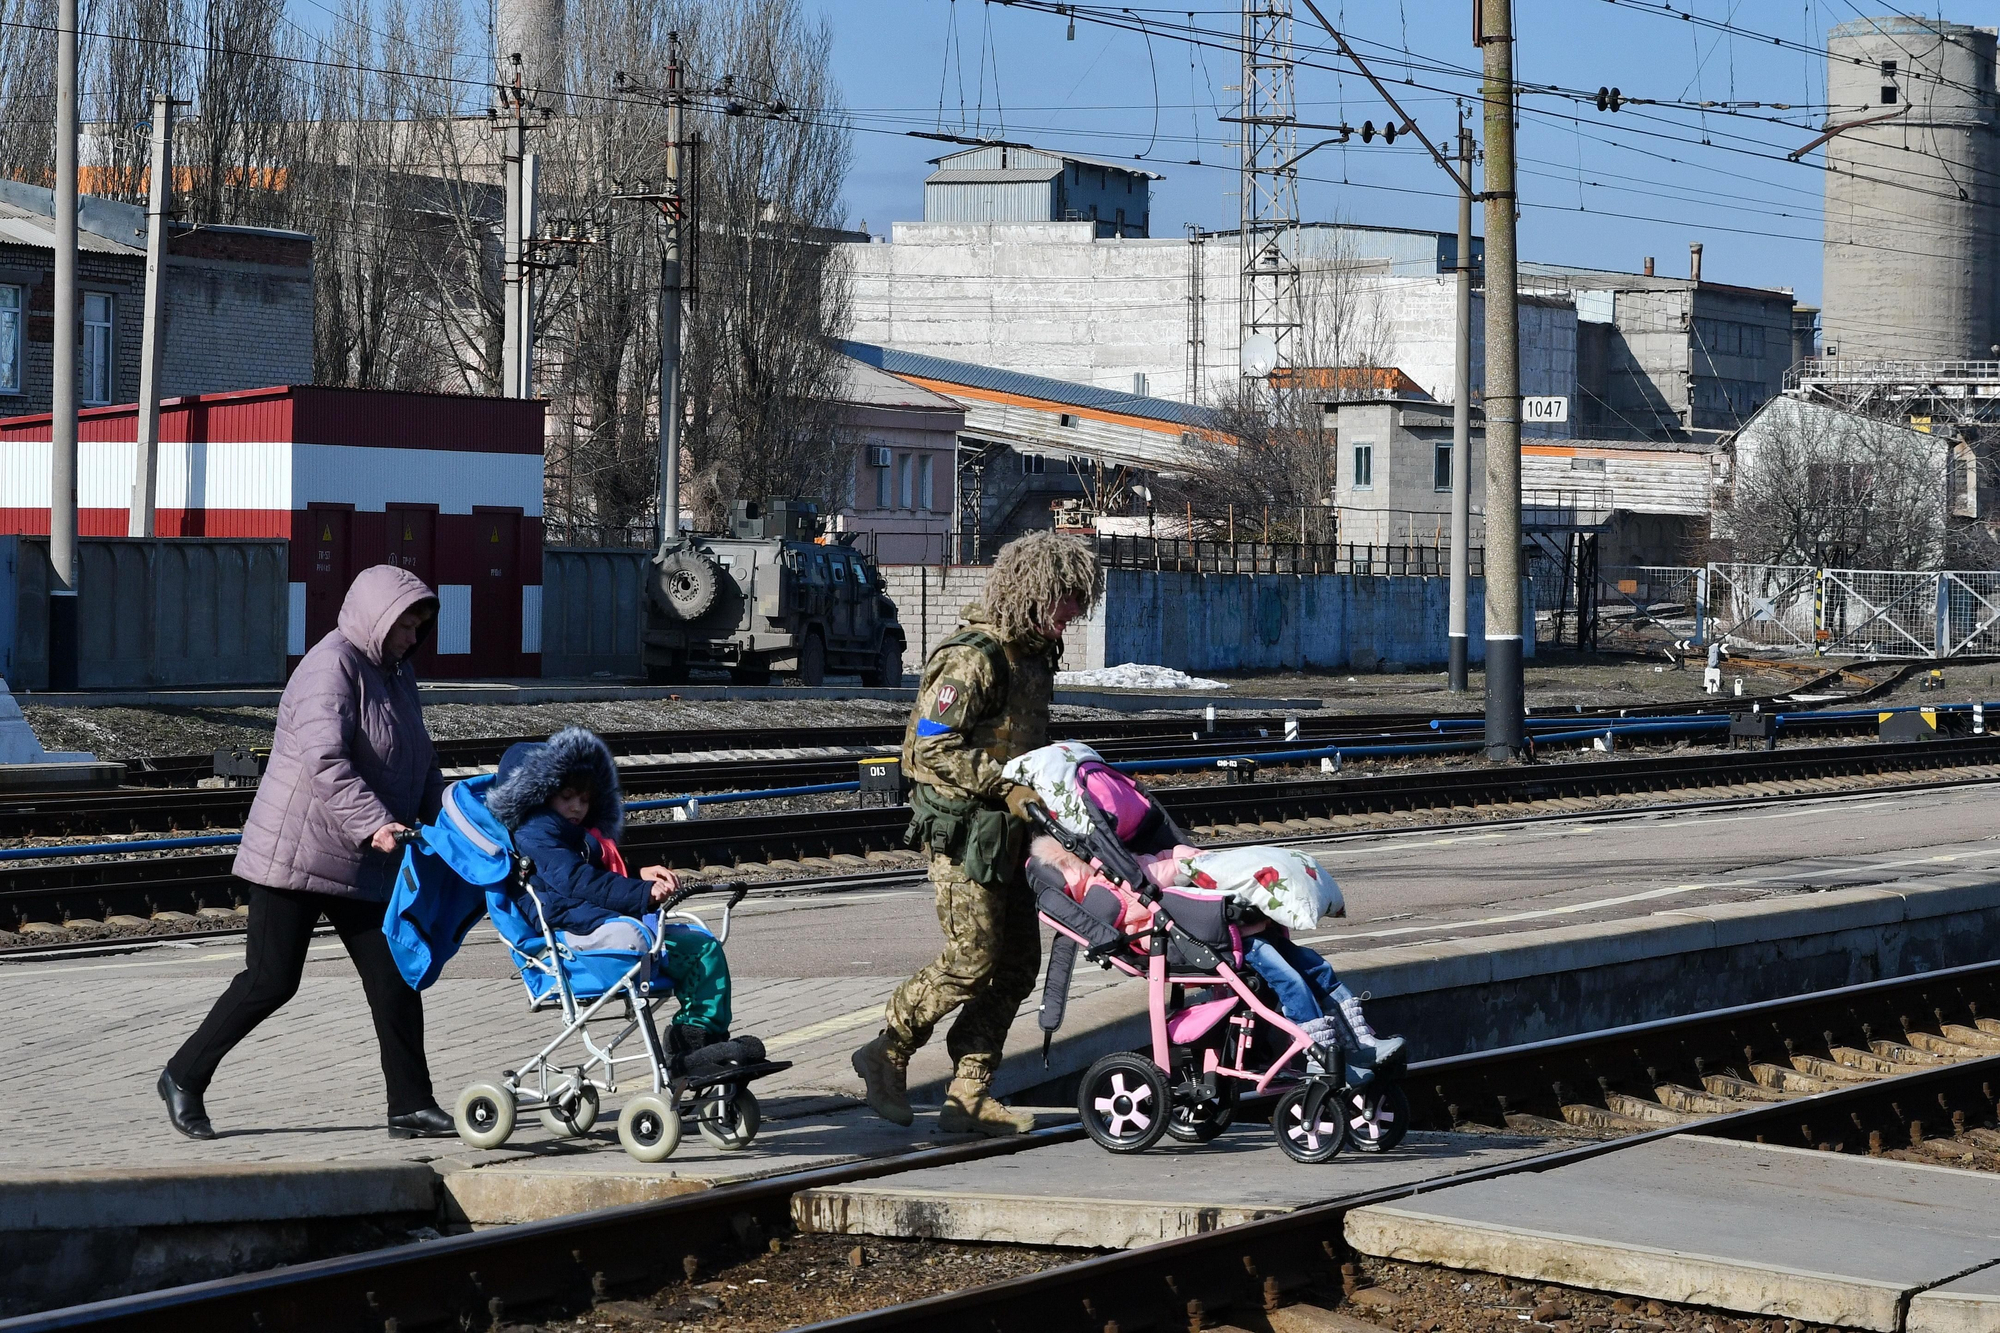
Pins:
x: 1138, y: 676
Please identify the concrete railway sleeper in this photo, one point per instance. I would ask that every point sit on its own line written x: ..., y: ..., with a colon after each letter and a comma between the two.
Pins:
x: 1231, y: 1276
x: 818, y: 842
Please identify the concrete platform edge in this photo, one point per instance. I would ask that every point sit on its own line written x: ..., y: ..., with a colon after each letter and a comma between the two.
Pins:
x: 1025, y: 1219
x: 1387, y: 1232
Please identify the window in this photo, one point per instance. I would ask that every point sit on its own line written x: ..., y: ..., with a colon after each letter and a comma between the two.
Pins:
x: 1068, y: 419
x: 840, y: 572
x: 1726, y: 337
x: 10, y: 340
x: 905, y: 484
x: 1888, y: 94
x: 924, y: 497
x: 1034, y: 464
x: 1441, y: 468
x: 885, y: 497
x: 94, y: 367
x: 1888, y: 69
x: 1364, y: 466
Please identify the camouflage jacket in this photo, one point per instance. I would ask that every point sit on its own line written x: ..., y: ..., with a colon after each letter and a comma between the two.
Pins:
x: 961, y: 733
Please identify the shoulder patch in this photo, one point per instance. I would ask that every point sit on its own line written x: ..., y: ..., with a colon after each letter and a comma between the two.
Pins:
x: 947, y: 696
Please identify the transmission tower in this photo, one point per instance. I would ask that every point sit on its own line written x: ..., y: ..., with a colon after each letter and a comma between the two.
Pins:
x: 1269, y: 197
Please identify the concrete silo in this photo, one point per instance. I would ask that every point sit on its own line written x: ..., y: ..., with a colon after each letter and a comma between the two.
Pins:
x: 534, y: 30
x: 1912, y: 249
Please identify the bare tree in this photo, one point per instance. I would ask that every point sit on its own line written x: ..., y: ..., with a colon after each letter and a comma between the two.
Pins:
x: 1812, y: 484
x: 27, y: 90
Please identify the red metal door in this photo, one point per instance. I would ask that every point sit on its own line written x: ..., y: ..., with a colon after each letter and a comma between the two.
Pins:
x: 496, y: 591
x: 412, y: 544
x: 331, y: 570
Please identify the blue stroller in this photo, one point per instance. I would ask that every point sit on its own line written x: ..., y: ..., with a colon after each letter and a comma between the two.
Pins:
x: 463, y: 866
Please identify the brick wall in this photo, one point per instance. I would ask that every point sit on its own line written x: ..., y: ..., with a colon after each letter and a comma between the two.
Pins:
x: 230, y: 324
x: 928, y: 599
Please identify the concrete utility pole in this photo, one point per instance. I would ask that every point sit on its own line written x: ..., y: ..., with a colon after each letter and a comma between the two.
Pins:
x: 146, y: 471
x: 530, y: 224
x: 1461, y: 430
x: 63, y: 395
x: 1503, y: 392
x: 512, y: 310
x: 671, y: 209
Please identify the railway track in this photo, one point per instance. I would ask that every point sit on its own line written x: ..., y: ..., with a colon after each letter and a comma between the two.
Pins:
x: 130, y: 890
x: 552, y: 1268
x: 652, y: 763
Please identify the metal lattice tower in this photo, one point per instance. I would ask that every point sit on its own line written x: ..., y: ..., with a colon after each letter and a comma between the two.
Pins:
x: 1269, y: 194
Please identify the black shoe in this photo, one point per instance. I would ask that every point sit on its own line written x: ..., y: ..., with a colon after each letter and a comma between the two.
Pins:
x: 433, y: 1122
x: 184, y: 1109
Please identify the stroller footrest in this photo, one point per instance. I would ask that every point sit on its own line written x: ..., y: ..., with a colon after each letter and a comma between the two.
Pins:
x: 718, y: 1074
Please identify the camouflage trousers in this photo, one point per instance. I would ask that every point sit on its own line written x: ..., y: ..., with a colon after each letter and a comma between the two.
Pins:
x: 992, y: 956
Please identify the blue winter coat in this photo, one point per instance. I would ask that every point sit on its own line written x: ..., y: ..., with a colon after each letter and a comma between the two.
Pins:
x: 578, y: 893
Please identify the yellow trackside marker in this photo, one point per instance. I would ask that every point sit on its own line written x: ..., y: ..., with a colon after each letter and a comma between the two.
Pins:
x: 406, y: 533
x: 495, y: 537
x: 326, y: 534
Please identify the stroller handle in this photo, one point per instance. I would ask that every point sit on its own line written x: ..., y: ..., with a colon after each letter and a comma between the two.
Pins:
x: 736, y: 889
x: 1127, y: 869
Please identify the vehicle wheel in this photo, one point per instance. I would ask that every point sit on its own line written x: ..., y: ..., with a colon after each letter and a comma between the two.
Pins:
x: 751, y: 671
x: 1376, y: 1120
x: 572, y: 1117
x: 888, y: 670
x: 673, y: 671
x: 729, y: 1122
x: 1124, y: 1102
x: 1304, y: 1142
x: 649, y: 1128
x: 485, y: 1115
x: 1200, y: 1122
x: 688, y: 583
x: 812, y: 659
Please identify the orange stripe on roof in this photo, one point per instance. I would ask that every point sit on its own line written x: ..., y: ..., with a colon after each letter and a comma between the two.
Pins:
x: 1051, y: 405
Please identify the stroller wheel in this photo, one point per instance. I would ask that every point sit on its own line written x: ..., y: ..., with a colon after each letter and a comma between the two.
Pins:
x: 1200, y: 1122
x: 1377, y: 1118
x: 1124, y: 1102
x: 1314, y: 1138
x: 649, y: 1128
x: 572, y: 1117
x: 485, y: 1115
x: 728, y: 1120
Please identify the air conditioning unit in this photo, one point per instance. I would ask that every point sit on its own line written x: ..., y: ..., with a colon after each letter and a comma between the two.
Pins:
x: 878, y: 455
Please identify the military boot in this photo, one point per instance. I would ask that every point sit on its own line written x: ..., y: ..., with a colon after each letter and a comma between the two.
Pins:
x: 884, y: 1069
x: 969, y: 1108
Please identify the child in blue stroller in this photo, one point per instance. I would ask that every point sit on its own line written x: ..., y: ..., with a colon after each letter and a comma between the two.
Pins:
x: 540, y: 839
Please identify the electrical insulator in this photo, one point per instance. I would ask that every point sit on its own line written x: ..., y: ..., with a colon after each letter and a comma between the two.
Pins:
x: 1609, y: 99
x: 1368, y: 131
x: 1389, y: 132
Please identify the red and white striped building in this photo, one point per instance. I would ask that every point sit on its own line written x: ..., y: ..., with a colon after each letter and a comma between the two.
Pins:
x: 447, y: 486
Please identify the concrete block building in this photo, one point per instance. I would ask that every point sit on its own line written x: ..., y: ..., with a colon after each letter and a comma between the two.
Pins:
x: 238, y: 304
x: 1665, y: 358
x: 902, y: 490
x: 1010, y: 184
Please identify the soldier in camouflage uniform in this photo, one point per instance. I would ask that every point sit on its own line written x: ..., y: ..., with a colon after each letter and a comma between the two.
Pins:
x: 983, y: 699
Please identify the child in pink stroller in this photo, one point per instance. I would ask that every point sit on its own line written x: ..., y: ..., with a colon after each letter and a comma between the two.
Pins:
x: 1115, y: 877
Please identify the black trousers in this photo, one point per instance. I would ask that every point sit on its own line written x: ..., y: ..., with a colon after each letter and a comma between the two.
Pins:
x: 281, y: 927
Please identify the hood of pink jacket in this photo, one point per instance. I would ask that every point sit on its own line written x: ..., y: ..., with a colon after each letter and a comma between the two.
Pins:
x: 378, y: 595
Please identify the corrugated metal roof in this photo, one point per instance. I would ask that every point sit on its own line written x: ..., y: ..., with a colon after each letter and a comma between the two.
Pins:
x: 18, y: 226
x: 1106, y: 163
x: 898, y: 362
x: 868, y: 386
x: 993, y: 176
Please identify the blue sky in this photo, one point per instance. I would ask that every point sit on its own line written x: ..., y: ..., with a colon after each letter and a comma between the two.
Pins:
x: 1597, y: 189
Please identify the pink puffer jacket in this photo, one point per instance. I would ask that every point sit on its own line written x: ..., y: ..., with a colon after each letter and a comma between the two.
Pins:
x: 350, y: 754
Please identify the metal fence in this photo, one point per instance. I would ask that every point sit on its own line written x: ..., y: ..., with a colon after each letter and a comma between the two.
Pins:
x: 1832, y: 612
x: 1198, y: 555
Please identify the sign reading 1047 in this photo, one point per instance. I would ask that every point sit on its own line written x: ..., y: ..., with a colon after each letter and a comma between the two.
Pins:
x: 1544, y: 411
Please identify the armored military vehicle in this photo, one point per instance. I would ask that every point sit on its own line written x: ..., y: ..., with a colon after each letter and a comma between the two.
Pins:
x: 774, y: 593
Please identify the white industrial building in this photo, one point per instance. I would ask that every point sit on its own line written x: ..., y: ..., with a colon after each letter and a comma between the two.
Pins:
x: 1158, y: 318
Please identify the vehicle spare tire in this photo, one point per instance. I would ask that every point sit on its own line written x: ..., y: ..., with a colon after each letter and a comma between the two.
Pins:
x: 687, y: 584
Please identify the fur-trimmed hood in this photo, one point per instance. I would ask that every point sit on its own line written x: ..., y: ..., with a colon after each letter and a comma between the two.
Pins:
x: 532, y: 771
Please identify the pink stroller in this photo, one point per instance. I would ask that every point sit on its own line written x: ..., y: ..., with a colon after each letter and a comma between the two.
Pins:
x: 1205, y: 1047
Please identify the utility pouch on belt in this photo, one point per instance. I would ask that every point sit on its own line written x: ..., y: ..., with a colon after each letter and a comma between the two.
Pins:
x: 985, y: 839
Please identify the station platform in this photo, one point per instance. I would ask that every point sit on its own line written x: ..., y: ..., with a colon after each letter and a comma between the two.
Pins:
x: 1078, y: 1194
x: 1823, y: 1237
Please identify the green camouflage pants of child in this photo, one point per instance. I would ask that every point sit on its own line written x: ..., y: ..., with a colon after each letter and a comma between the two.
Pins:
x: 992, y: 955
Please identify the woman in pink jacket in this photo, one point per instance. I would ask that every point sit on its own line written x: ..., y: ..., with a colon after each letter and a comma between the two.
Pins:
x: 351, y: 766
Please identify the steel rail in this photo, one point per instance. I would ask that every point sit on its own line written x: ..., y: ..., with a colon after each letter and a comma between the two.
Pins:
x: 1266, y: 810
